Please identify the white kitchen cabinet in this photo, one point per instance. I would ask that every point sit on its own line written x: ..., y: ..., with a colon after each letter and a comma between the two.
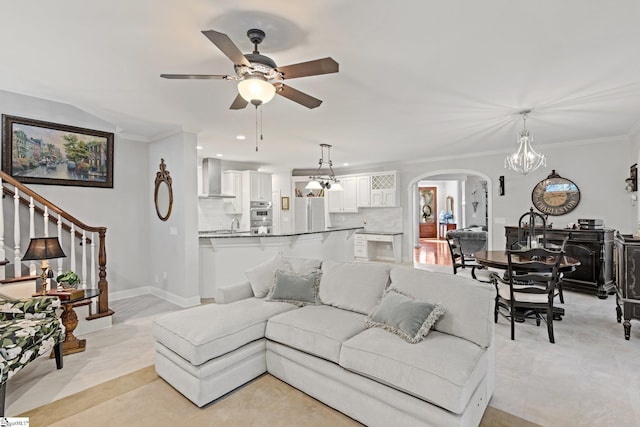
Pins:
x: 363, y: 184
x: 378, y: 246
x: 258, y: 185
x: 383, y: 189
x: 345, y: 201
x: 232, y: 185
x: 360, y: 247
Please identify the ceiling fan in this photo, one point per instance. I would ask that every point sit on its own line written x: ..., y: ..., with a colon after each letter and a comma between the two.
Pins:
x: 258, y: 76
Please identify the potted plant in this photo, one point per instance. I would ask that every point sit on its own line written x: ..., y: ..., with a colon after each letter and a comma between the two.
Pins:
x: 68, y: 279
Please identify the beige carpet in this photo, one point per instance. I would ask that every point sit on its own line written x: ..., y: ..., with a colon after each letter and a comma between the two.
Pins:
x: 144, y: 399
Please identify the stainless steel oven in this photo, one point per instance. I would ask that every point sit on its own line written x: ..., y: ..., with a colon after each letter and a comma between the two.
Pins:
x: 260, y: 211
x: 261, y: 217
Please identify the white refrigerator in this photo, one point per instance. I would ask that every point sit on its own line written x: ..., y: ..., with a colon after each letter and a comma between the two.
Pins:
x: 309, y: 213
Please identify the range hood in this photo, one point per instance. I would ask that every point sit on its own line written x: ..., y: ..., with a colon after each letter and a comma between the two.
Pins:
x: 212, y: 179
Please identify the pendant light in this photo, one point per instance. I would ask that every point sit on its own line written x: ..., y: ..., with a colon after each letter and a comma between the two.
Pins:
x: 525, y: 159
x: 328, y: 181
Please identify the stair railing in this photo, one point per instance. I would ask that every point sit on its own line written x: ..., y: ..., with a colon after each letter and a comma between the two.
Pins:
x: 67, y: 225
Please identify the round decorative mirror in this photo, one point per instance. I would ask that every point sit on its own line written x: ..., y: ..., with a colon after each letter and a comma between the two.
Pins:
x: 163, y: 194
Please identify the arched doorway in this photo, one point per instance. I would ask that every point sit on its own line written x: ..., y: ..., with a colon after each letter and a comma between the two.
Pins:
x: 463, y: 198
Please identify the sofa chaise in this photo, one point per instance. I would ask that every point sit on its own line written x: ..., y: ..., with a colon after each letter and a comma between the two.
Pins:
x: 337, y: 346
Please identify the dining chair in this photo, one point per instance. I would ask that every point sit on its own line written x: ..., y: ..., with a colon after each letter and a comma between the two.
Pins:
x: 462, y: 260
x: 530, y: 286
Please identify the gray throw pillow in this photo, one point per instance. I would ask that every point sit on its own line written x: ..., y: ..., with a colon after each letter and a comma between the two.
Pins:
x: 299, y: 289
x: 405, y: 316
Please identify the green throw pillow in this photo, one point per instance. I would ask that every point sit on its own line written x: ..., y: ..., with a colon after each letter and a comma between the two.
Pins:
x: 299, y: 289
x: 405, y: 316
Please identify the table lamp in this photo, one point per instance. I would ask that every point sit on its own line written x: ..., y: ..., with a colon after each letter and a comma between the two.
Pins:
x: 43, y: 248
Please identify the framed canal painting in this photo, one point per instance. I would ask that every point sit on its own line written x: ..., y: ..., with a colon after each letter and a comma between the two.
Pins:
x: 37, y: 152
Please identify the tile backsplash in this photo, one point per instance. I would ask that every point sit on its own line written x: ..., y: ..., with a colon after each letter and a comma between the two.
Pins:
x: 373, y: 219
x: 212, y: 215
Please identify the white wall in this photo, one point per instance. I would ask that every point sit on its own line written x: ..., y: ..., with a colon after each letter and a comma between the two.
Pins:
x: 598, y: 169
x: 123, y: 209
x: 174, y: 265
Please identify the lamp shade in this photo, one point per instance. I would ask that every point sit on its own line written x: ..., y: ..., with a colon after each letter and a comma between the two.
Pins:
x: 313, y: 185
x: 336, y: 186
x: 43, y: 248
x: 256, y: 88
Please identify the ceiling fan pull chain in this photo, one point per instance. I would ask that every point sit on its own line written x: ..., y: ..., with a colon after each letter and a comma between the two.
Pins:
x: 256, y: 128
x: 261, y: 137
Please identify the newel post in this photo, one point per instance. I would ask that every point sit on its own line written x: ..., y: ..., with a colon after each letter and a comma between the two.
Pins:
x: 103, y: 285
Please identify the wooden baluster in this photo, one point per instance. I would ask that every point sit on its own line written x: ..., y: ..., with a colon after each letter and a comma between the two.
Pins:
x: 45, y: 218
x: 2, y: 251
x: 72, y: 265
x: 93, y: 261
x: 32, y: 233
x: 17, y: 266
x: 60, y: 241
x: 84, y: 259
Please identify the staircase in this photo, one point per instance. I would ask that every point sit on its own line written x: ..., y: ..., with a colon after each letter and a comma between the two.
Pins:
x: 31, y: 215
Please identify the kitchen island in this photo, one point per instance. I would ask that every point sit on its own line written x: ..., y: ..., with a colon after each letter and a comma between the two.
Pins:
x: 225, y: 256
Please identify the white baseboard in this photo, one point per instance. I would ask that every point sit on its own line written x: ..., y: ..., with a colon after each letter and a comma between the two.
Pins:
x: 145, y: 290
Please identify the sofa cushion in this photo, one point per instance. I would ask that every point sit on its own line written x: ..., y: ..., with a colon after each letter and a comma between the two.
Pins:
x: 405, y: 316
x: 442, y: 369
x: 204, y: 332
x: 353, y: 286
x: 469, y: 303
x: 298, y: 289
x: 261, y: 276
x: 319, y: 330
x: 303, y: 265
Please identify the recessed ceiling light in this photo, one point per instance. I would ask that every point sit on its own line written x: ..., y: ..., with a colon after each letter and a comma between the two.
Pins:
x: 345, y: 164
x: 198, y: 147
x: 241, y: 137
x: 219, y: 155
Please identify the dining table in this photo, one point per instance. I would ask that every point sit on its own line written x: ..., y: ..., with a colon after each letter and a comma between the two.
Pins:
x: 499, y: 260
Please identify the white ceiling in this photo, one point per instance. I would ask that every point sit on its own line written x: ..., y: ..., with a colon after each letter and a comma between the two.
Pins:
x: 417, y: 80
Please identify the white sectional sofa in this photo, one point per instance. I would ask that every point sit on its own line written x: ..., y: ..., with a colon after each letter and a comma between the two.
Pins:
x: 327, y: 349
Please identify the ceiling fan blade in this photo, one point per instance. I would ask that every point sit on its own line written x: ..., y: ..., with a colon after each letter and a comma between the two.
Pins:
x: 196, y: 76
x: 224, y: 43
x: 299, y: 97
x: 309, y: 68
x: 239, y: 103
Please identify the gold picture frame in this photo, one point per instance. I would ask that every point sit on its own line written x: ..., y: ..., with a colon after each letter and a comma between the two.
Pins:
x: 284, y: 203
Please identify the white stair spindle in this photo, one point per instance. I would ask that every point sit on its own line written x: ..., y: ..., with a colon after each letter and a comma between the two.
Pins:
x: 32, y: 233
x: 2, y: 251
x: 17, y: 266
x: 60, y: 241
x: 93, y: 261
x: 45, y: 218
x: 84, y: 259
x: 72, y: 256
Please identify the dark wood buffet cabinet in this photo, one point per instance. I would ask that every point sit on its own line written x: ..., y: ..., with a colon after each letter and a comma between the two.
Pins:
x: 594, y: 250
x: 627, y: 261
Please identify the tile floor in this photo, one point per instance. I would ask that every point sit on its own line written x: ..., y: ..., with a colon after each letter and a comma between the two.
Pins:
x: 590, y: 377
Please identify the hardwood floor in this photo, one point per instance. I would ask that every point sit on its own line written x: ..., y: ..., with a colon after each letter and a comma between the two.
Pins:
x: 432, y: 251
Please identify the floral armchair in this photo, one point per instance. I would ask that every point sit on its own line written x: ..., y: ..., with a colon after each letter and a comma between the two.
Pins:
x: 29, y: 328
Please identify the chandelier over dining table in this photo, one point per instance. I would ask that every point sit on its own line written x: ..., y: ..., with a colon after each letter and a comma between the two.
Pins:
x: 525, y: 159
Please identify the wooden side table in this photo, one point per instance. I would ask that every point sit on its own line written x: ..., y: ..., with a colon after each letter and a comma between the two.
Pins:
x: 444, y: 227
x: 71, y: 344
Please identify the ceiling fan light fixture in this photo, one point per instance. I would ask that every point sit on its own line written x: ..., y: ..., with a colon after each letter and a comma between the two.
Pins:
x: 256, y: 88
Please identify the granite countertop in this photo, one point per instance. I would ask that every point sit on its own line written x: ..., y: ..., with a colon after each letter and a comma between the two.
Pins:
x: 384, y: 233
x: 223, y: 234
